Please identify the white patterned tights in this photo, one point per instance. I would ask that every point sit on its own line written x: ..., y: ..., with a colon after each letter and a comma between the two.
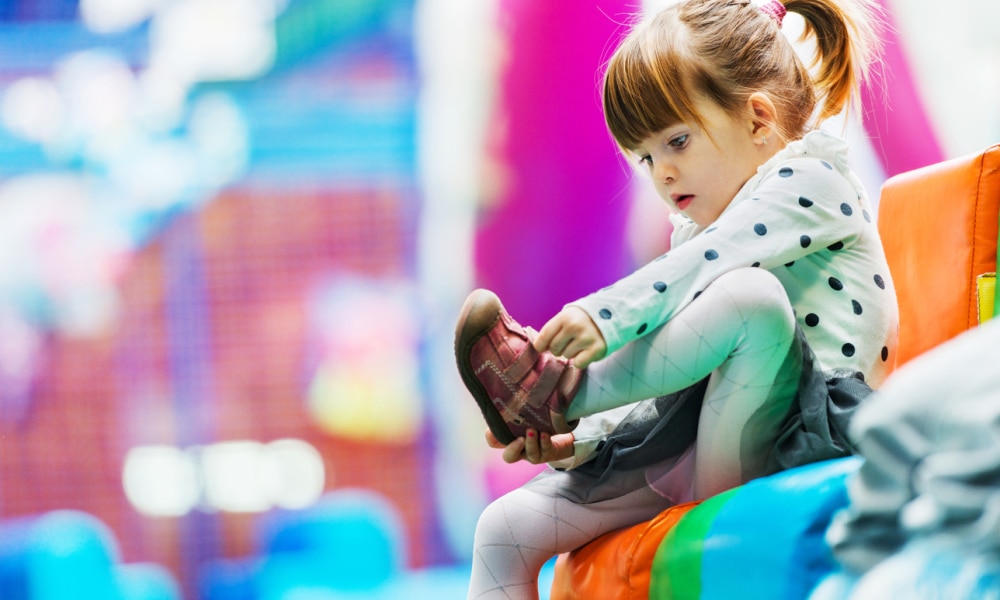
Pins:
x: 738, y: 332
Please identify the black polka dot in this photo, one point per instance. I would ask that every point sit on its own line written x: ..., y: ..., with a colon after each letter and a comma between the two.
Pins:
x: 805, y: 241
x: 867, y: 216
x: 826, y: 164
x: 836, y: 283
x: 846, y: 209
x: 696, y: 294
x: 788, y: 264
x: 812, y: 319
x: 605, y: 313
x: 835, y: 247
x: 885, y: 353
x: 755, y: 198
x: 660, y: 286
x: 641, y: 330
x: 857, y: 307
x: 880, y: 282
x: 760, y: 229
x: 805, y: 202
x: 848, y: 350
x: 711, y: 254
x: 756, y: 264
x: 710, y: 229
x: 785, y: 172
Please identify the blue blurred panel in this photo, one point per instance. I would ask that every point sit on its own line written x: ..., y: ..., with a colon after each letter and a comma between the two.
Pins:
x: 34, y: 48
x: 334, y: 142
x: 352, y: 540
x: 57, y: 555
x: 147, y: 581
x: 38, y: 10
x: 19, y: 157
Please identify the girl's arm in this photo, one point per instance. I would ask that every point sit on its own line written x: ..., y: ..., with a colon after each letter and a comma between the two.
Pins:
x: 803, y: 208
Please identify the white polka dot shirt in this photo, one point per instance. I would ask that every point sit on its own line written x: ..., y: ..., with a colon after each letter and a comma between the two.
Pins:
x: 805, y: 217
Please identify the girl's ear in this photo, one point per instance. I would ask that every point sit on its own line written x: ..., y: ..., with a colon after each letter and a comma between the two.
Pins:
x: 763, y: 115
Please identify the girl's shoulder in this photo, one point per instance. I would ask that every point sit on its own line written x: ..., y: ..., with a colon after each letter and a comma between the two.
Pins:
x: 818, y: 147
x: 819, y: 158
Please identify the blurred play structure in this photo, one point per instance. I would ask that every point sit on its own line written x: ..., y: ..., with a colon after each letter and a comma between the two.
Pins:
x: 234, y: 236
x: 207, y: 268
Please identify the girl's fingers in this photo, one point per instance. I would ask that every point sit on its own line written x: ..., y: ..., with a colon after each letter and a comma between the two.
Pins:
x: 492, y: 441
x: 544, y: 338
x: 559, y: 345
x: 545, y: 445
x: 532, y: 450
x: 583, y: 359
x: 514, y: 451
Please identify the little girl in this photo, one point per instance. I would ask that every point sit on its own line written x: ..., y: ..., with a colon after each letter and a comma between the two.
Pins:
x: 742, y: 351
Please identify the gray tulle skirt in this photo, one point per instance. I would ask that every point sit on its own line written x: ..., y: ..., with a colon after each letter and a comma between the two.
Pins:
x: 657, y: 432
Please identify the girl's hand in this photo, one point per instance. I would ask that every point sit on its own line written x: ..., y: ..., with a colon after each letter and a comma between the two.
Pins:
x: 572, y: 334
x: 534, y: 448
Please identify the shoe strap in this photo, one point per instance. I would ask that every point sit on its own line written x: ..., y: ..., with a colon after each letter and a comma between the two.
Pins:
x: 522, y: 363
x: 543, y: 387
x: 552, y: 367
x: 527, y: 361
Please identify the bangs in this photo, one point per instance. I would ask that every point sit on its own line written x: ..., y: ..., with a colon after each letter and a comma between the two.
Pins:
x: 645, y: 92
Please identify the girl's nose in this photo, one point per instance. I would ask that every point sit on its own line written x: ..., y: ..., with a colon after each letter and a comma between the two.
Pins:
x: 665, y: 174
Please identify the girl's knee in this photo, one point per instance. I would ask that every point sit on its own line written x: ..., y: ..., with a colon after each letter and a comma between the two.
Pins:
x: 508, y: 516
x: 757, y: 296
x: 492, y: 522
x: 749, y: 281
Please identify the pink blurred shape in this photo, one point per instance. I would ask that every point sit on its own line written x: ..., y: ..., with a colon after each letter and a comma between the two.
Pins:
x: 554, y: 231
x: 901, y: 131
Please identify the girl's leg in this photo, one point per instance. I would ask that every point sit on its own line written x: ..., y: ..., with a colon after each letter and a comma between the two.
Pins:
x: 521, y: 530
x: 740, y: 331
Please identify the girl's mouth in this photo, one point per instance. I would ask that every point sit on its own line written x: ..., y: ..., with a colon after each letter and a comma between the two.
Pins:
x: 683, y: 201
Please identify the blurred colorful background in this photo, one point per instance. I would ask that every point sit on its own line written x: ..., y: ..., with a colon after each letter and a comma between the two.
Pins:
x: 234, y: 237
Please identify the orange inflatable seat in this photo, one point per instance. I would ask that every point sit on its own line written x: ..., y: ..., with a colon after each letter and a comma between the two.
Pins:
x: 939, y: 229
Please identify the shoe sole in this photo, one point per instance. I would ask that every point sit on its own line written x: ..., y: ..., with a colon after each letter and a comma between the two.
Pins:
x: 479, y: 314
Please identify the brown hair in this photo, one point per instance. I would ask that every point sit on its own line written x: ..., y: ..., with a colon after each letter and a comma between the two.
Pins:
x: 724, y: 51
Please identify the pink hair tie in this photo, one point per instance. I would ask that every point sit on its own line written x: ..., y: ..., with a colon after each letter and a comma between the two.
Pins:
x: 775, y: 10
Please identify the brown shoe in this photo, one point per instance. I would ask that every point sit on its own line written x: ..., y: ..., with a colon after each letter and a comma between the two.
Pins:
x: 517, y: 387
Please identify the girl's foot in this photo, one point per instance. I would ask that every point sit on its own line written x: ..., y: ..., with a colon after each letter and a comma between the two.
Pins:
x: 517, y: 387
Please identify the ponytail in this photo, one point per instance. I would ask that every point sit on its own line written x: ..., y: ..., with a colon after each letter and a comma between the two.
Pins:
x: 846, y: 43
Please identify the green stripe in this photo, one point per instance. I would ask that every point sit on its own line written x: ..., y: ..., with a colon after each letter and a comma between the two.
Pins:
x: 996, y: 293
x: 676, y: 572
x: 309, y: 26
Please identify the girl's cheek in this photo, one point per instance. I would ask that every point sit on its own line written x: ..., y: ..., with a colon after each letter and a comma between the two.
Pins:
x: 670, y: 203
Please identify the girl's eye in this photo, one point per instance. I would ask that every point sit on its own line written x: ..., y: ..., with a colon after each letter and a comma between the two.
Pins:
x: 646, y: 161
x: 679, y: 141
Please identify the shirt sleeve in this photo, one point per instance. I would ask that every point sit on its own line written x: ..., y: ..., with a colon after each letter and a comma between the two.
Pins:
x: 798, y: 208
x: 590, y: 434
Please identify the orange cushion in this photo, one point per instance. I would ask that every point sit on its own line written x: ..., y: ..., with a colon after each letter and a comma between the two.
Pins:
x: 615, y: 566
x: 939, y: 229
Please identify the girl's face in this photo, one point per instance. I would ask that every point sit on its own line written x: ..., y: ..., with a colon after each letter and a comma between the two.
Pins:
x: 699, y: 171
